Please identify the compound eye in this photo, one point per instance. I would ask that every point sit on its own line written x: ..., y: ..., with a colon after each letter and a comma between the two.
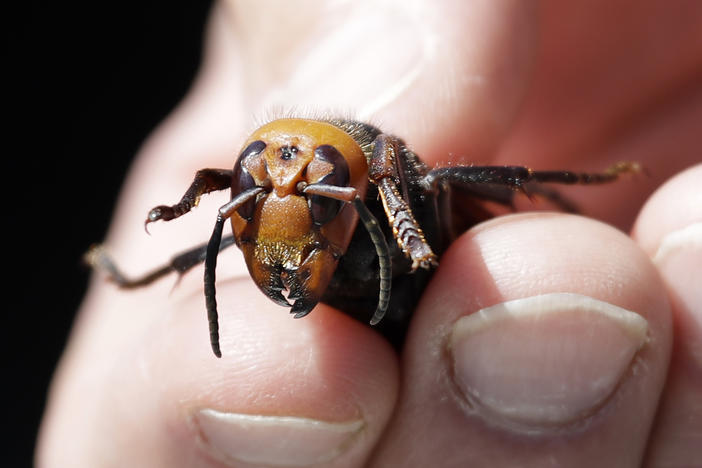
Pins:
x: 324, y: 209
x: 242, y: 180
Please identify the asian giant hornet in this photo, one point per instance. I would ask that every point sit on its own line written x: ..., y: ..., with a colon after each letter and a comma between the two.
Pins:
x: 299, y: 188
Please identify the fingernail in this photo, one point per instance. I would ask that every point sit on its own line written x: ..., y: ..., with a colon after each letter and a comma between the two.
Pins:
x: 545, y: 360
x: 273, y: 440
x: 682, y: 240
x: 679, y: 259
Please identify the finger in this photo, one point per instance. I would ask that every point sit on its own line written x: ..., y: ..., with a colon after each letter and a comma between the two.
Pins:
x: 583, y: 112
x: 502, y: 369
x: 670, y: 230
x: 386, y: 62
x: 285, y: 392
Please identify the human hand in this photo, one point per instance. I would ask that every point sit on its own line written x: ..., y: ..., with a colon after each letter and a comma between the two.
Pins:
x: 138, y: 385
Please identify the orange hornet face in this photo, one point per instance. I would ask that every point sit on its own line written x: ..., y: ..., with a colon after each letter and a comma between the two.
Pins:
x: 291, y: 240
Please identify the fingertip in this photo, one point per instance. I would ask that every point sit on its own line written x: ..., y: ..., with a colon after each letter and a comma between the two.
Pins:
x: 324, y: 384
x: 669, y: 228
x: 577, y: 349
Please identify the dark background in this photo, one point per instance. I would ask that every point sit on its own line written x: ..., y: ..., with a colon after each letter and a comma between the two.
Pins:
x: 85, y: 82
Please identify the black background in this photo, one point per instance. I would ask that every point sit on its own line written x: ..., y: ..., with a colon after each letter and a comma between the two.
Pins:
x: 85, y: 82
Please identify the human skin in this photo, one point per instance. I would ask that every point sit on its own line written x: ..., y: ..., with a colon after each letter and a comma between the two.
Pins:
x: 550, y: 85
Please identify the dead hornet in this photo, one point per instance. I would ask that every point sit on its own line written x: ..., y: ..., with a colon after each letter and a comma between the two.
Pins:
x: 298, y: 190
